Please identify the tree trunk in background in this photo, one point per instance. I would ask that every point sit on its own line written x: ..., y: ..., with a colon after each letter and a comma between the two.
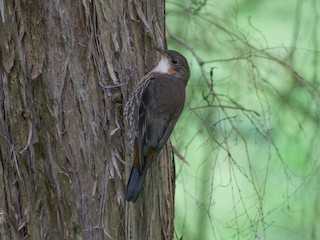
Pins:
x: 62, y: 145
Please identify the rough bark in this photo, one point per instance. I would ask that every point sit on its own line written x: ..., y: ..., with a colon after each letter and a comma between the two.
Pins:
x: 62, y: 138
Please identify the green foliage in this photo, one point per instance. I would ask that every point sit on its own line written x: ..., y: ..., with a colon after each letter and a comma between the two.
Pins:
x: 250, y: 128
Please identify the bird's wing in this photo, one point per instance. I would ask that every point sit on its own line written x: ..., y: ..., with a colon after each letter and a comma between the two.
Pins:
x: 154, y: 131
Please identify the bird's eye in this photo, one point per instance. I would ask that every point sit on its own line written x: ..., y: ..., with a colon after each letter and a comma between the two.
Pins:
x: 174, y: 61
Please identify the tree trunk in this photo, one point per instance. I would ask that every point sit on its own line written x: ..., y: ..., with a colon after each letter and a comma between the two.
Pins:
x: 62, y: 145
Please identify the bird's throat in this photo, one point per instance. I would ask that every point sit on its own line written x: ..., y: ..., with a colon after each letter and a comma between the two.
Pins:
x: 163, y: 67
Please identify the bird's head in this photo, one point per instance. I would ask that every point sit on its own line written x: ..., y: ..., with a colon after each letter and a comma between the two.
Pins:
x: 173, y: 63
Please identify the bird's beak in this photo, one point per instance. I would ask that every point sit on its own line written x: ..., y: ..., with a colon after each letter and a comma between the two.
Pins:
x: 166, y: 57
x: 162, y: 52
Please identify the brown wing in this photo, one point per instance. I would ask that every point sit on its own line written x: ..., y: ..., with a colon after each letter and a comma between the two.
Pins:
x: 156, y: 122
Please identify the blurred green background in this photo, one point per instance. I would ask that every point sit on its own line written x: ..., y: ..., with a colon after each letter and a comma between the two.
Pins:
x: 250, y: 127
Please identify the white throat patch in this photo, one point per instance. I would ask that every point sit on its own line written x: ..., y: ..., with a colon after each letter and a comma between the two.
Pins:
x: 162, y: 66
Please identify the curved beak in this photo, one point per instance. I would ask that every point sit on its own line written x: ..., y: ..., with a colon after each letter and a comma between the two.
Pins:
x: 162, y: 52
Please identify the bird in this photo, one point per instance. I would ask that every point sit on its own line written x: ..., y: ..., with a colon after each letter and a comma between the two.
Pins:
x: 152, y: 112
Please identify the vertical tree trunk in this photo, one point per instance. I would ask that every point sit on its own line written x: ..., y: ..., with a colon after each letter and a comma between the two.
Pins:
x: 62, y: 151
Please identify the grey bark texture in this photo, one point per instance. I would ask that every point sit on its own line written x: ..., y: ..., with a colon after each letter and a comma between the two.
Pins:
x: 63, y: 164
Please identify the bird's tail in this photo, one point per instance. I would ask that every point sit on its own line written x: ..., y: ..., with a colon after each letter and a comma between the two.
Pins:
x: 135, y: 184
